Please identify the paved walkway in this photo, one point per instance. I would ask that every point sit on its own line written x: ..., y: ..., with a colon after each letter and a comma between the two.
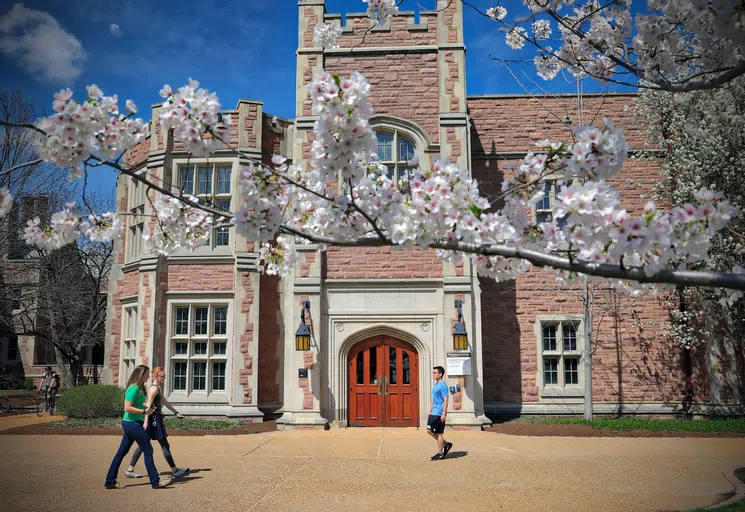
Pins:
x: 20, y: 420
x: 376, y: 470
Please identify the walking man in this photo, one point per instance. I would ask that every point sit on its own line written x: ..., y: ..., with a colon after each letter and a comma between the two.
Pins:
x: 438, y: 413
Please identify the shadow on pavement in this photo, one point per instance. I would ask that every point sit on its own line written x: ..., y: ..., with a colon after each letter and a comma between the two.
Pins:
x: 456, y: 455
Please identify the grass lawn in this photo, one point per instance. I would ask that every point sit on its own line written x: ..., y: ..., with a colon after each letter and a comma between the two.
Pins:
x: 734, y: 507
x: 728, y: 425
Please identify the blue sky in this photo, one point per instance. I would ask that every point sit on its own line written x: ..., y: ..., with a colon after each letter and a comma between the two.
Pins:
x: 237, y: 48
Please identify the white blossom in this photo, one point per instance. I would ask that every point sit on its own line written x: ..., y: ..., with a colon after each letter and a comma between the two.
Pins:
x: 498, y: 13
x: 516, y: 38
x: 79, y: 130
x: 326, y: 34
x: 278, y: 258
x: 63, y: 229
x: 541, y: 29
x: 6, y: 202
x: 178, y: 225
x: 381, y: 11
x: 194, y: 115
x: 104, y: 227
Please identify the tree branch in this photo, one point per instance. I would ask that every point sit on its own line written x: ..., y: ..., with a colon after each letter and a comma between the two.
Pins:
x: 638, y: 274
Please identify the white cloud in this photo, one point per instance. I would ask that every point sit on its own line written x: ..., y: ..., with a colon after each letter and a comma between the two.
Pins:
x: 115, y: 30
x: 44, y: 49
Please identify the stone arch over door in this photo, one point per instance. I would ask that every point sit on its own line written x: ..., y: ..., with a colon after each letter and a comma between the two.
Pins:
x: 392, y: 339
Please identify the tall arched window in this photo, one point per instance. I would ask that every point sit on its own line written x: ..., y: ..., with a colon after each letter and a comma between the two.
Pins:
x: 395, y: 151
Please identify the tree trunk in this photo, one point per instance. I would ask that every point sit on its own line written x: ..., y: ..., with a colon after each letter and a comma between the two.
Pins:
x: 687, y: 403
x: 587, y: 351
x: 688, y: 398
x: 70, y: 369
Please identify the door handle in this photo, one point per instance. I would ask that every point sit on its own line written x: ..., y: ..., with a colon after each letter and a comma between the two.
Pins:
x: 386, y: 385
x: 380, y: 386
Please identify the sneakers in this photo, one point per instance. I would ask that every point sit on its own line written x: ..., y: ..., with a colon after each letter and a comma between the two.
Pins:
x: 437, y: 456
x: 448, y: 446
x: 163, y: 483
x: 181, y: 472
x: 116, y: 485
x: 132, y: 474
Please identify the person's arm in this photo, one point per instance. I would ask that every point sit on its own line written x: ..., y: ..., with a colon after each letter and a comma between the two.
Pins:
x: 131, y: 409
x: 170, y: 407
x: 445, y: 404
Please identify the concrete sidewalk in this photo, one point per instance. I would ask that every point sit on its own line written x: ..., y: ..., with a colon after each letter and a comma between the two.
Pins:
x: 375, y: 469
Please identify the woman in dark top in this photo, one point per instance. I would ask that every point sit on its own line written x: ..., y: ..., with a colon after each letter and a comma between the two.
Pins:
x: 135, y: 413
x: 156, y: 428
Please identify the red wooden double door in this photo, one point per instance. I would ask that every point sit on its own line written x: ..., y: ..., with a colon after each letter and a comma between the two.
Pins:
x: 383, y: 384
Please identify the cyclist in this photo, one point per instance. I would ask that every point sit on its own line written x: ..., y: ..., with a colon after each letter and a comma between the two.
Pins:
x: 50, y: 382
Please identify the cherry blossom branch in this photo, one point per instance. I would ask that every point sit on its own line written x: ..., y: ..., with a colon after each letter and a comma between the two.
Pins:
x: 638, y: 274
x: 367, y: 217
x: 137, y: 177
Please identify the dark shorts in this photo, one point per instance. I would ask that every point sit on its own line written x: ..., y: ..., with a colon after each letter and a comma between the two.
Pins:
x: 435, y: 424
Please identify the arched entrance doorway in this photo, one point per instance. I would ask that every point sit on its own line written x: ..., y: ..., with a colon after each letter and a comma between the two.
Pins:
x: 383, y: 377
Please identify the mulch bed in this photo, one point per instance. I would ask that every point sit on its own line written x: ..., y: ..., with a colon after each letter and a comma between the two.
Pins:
x: 568, y: 430
x: 45, y: 429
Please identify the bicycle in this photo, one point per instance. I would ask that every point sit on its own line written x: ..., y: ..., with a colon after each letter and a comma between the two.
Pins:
x: 44, y: 405
x: 5, y: 405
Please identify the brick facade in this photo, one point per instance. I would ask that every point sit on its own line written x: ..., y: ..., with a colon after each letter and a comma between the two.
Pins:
x: 417, y: 73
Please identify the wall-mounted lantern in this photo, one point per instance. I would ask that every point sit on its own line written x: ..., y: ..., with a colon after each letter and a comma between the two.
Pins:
x: 302, y: 335
x: 460, y: 335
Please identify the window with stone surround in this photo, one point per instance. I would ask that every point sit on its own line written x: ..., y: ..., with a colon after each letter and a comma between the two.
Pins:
x: 212, y: 184
x: 11, y: 354
x: 199, y: 349
x: 560, y: 356
x: 545, y: 208
x: 129, y: 341
x: 136, y: 197
x: 395, y: 151
x: 15, y: 297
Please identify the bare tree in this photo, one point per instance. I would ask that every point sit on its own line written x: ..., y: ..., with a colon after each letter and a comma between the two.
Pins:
x: 18, y: 147
x: 66, y: 308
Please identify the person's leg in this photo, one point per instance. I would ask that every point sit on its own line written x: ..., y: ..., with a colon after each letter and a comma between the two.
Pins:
x: 440, y: 443
x: 139, y: 435
x: 135, y: 458
x: 124, y: 447
x: 52, y: 398
x: 166, y: 447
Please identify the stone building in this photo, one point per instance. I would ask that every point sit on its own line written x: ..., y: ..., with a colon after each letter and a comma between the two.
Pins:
x: 381, y: 318
x: 23, y: 354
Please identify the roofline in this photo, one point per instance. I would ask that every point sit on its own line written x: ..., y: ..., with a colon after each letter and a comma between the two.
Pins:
x: 548, y: 95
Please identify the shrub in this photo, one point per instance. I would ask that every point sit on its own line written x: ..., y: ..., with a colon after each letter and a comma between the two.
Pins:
x: 100, y: 401
x: 29, y: 384
x: 82, y: 380
x: 173, y: 423
x: 10, y: 380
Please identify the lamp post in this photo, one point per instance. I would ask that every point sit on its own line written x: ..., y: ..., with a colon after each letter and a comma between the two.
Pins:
x: 460, y: 335
x: 302, y: 335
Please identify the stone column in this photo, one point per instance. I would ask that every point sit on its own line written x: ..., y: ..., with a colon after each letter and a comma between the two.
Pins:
x: 302, y: 395
x: 466, y: 408
x: 451, y: 62
x: 244, y: 391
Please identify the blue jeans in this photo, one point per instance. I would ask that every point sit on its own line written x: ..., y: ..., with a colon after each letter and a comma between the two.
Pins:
x: 133, y: 433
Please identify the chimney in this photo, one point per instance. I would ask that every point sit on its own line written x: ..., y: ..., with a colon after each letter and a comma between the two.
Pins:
x: 34, y: 206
